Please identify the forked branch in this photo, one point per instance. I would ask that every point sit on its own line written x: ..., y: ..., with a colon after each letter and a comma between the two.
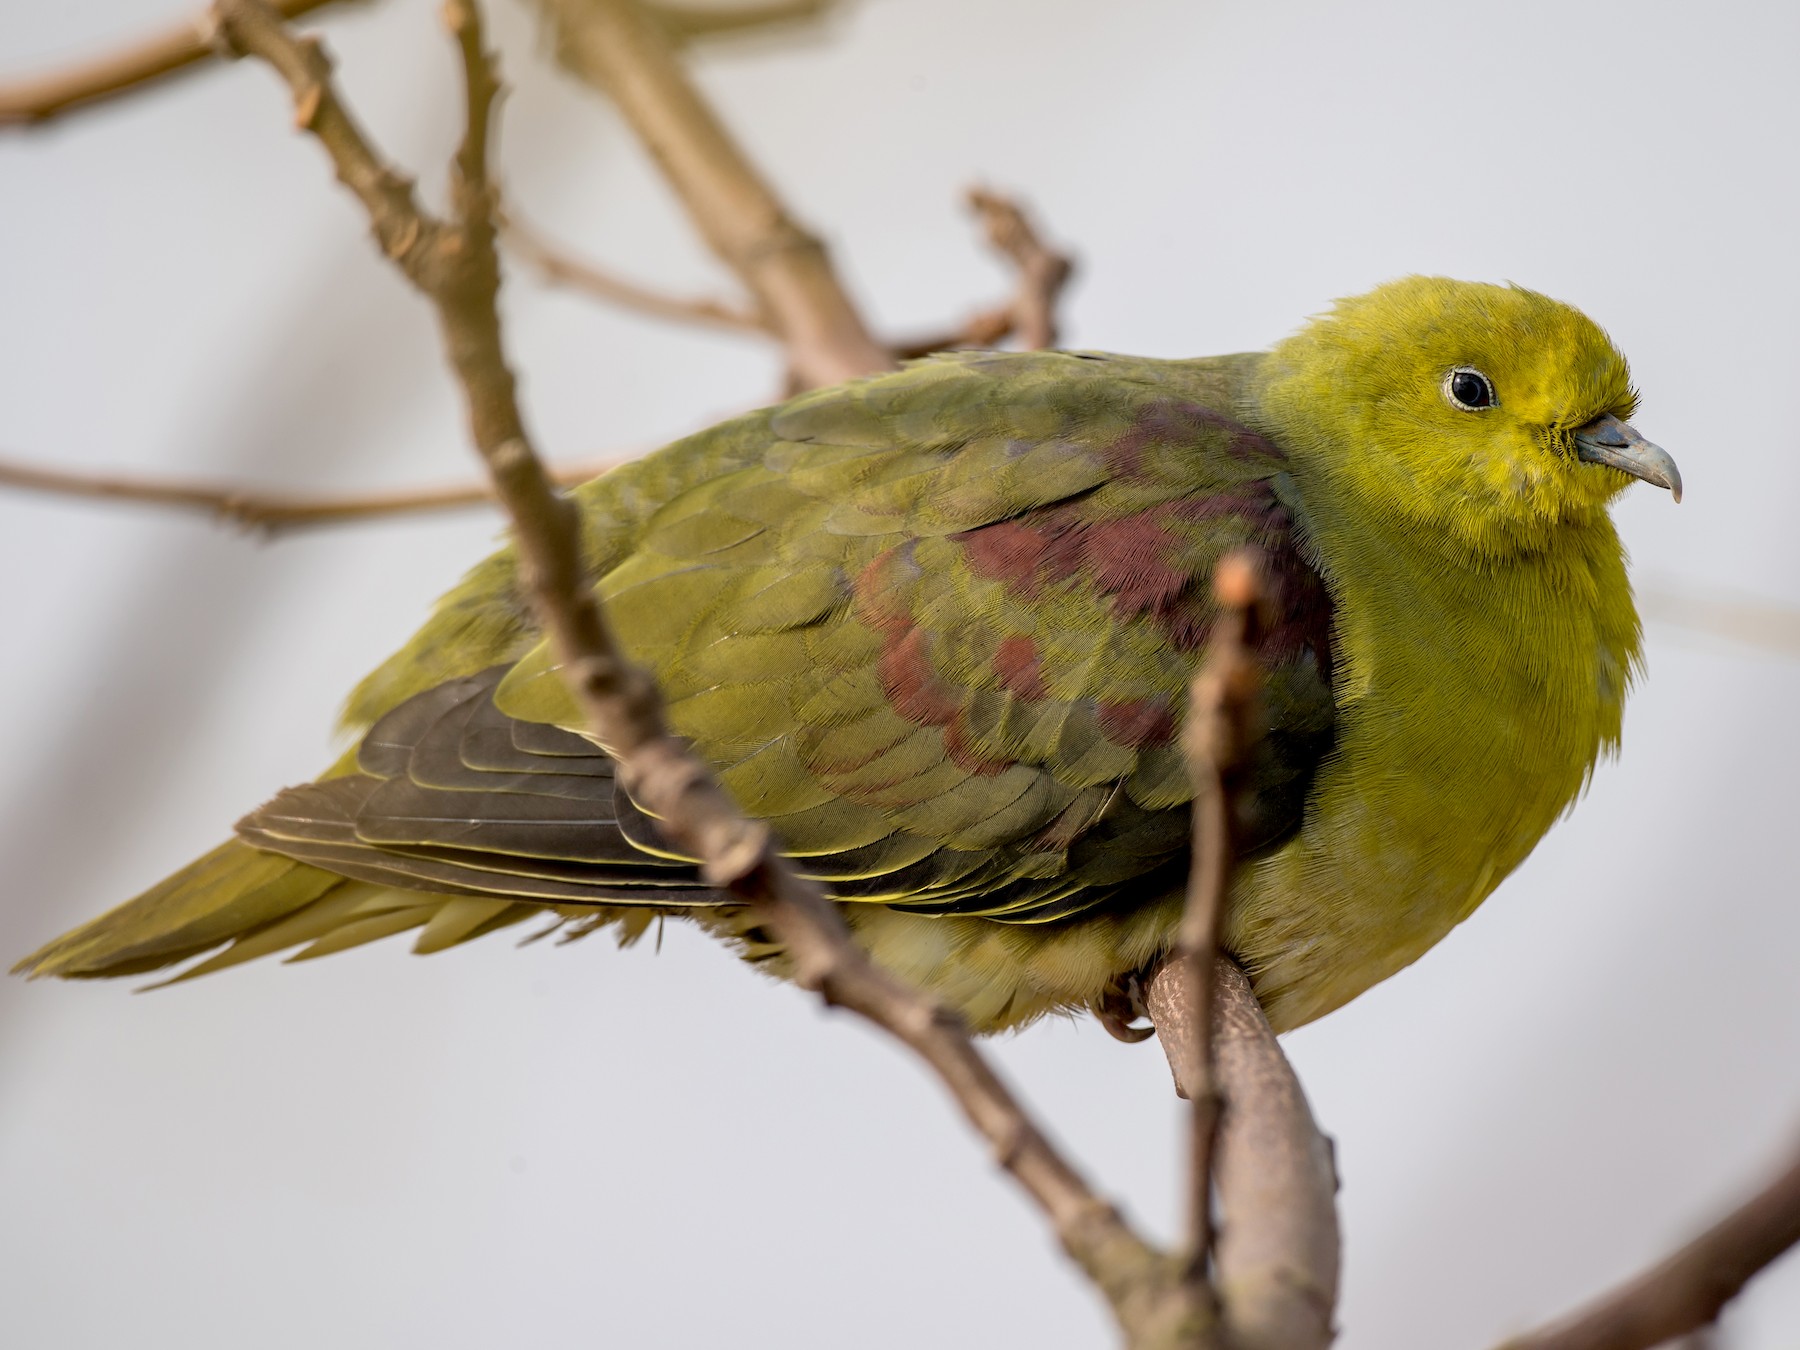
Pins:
x: 1043, y: 273
x: 1030, y: 314
x: 453, y: 263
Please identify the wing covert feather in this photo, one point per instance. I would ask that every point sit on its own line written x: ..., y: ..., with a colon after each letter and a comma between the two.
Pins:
x: 935, y: 626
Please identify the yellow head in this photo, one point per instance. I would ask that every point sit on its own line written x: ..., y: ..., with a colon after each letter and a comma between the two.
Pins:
x: 1486, y: 415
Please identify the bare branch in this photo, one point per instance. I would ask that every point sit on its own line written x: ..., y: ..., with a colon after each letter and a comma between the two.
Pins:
x: 267, y: 512
x: 561, y: 268
x: 1043, y: 272
x: 456, y: 269
x: 1221, y: 704
x: 984, y: 328
x: 36, y: 99
x: 1689, y: 1289
x: 1031, y: 313
x: 685, y: 23
x: 1273, y: 1268
x: 1276, y: 1255
x: 616, y: 45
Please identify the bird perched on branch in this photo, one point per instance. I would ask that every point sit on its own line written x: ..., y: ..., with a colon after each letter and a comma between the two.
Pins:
x: 937, y: 627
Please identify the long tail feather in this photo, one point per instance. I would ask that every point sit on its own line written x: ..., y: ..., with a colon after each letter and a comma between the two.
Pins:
x: 229, y: 892
x: 254, y: 904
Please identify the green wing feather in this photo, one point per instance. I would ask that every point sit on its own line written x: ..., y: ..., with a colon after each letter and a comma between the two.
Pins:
x: 935, y: 626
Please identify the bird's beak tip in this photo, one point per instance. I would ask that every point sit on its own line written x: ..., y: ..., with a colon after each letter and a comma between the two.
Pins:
x: 1608, y: 440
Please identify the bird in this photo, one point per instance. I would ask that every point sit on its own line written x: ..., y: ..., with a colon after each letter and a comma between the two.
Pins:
x: 936, y: 627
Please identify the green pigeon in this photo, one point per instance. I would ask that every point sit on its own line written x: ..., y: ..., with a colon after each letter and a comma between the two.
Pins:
x: 937, y: 626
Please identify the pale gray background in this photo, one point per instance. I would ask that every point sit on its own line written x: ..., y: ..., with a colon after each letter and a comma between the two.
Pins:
x: 584, y: 1147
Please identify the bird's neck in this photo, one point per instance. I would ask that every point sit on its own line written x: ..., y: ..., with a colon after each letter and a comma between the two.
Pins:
x: 1555, y: 628
x: 1472, y: 706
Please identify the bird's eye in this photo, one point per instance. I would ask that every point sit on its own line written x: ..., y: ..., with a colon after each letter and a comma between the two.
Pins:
x: 1470, y: 389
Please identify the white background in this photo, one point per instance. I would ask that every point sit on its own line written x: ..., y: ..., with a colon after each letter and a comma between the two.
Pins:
x: 583, y: 1147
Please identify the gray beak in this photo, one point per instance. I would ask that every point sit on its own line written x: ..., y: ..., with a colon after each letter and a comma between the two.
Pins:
x: 1607, y: 440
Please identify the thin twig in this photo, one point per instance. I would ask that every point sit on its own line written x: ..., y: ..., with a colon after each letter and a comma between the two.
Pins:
x: 616, y: 45
x: 1043, y: 271
x: 1273, y: 1270
x: 1218, y: 730
x: 1031, y: 313
x: 984, y: 328
x: 1689, y: 1289
x: 38, y: 98
x: 686, y: 23
x: 268, y: 512
x: 454, y: 265
x: 563, y: 269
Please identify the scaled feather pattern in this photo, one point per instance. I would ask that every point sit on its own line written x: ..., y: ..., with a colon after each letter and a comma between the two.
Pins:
x: 937, y: 627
